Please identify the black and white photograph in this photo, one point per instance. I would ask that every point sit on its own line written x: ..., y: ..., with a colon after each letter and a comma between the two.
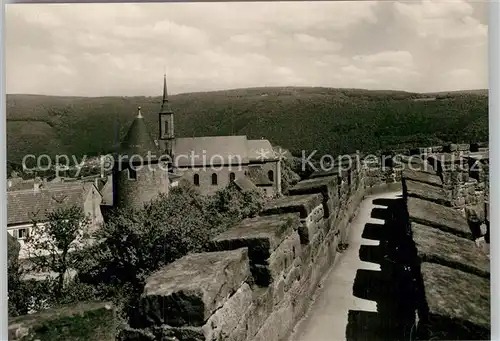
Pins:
x: 248, y: 171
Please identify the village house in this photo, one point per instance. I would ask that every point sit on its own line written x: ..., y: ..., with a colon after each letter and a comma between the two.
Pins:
x: 25, y: 206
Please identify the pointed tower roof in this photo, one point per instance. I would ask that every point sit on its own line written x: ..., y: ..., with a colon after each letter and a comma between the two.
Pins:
x: 138, y: 141
x: 165, y: 106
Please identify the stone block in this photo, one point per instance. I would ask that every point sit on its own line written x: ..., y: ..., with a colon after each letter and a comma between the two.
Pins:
x: 261, y: 235
x: 309, y: 226
x: 278, y: 325
x: 259, y: 310
x: 327, y: 186
x: 457, y: 305
x: 436, y: 246
x: 475, y: 213
x: 428, y: 192
x: 423, y: 177
x: 224, y: 323
x: 439, y: 216
x: 303, y: 204
x: 279, y: 262
x: 189, y: 290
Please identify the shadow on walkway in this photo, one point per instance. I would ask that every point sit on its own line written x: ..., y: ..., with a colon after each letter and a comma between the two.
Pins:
x: 391, y: 287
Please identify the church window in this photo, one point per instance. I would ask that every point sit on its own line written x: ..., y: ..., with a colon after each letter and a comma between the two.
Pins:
x: 132, y: 174
x: 232, y: 176
x: 270, y: 175
x: 214, y: 179
x: 196, y: 179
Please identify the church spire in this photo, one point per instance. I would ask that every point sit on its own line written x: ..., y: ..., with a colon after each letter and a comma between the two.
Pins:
x: 165, y: 106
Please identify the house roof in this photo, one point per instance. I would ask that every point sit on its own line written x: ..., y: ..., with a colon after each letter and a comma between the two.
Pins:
x: 138, y: 141
x: 210, y: 149
x: 20, y: 185
x: 25, y: 205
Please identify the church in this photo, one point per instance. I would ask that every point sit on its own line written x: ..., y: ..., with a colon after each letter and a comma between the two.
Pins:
x: 209, y: 163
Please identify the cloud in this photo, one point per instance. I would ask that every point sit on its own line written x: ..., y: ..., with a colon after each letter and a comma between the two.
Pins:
x: 444, y: 20
x: 391, y: 58
x: 249, y: 40
x: 123, y: 49
x: 317, y: 44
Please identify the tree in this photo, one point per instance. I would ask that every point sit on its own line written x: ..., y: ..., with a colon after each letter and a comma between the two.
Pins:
x: 51, y: 243
x: 133, y: 243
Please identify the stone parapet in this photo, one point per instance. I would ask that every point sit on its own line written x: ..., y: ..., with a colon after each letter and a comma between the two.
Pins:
x: 450, y: 272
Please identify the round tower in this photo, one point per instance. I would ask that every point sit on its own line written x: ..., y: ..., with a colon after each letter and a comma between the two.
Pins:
x: 138, y: 174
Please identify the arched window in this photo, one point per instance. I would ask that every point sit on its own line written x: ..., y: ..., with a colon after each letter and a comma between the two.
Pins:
x: 270, y: 175
x: 232, y: 176
x: 196, y: 179
x: 214, y: 179
x: 132, y: 174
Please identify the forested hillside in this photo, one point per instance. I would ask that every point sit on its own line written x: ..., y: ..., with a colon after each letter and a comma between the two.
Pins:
x: 323, y: 119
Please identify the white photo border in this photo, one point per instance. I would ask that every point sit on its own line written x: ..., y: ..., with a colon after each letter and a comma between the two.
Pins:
x: 494, y: 145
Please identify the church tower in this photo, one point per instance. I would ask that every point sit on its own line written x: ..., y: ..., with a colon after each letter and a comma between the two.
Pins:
x: 166, y: 129
x: 138, y: 174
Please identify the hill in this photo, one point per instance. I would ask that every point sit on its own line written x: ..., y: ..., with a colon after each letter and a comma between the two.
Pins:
x: 324, y: 119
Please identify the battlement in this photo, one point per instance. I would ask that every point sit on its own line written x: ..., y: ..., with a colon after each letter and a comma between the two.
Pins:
x: 257, y: 280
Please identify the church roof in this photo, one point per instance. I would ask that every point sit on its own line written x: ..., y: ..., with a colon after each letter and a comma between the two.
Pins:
x: 211, y: 149
x: 260, y: 150
x: 138, y: 141
x: 229, y: 149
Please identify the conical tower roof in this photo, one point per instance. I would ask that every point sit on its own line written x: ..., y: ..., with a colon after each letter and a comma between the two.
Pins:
x: 138, y: 141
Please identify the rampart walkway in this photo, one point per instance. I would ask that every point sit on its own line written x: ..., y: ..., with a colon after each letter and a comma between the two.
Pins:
x: 349, y: 304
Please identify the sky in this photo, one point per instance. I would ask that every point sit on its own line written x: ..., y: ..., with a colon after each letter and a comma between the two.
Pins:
x: 124, y: 49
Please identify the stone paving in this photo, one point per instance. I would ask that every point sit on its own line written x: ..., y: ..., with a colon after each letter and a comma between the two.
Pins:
x: 336, y: 306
